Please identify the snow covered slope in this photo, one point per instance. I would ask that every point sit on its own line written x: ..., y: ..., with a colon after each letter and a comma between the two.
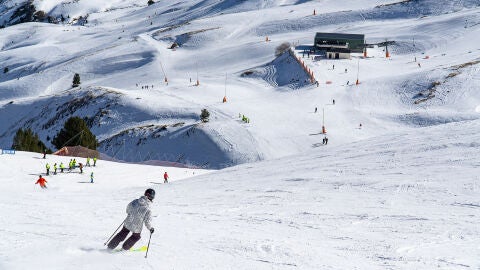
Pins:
x: 399, y: 192
x: 123, y: 46
x: 407, y: 200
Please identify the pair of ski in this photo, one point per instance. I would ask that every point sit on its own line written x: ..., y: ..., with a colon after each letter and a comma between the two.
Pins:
x: 140, y: 249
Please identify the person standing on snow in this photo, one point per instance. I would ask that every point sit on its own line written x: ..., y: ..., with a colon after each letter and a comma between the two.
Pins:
x: 41, y: 181
x: 94, y: 161
x: 91, y: 177
x: 165, y: 177
x: 48, y: 168
x: 138, y: 213
x: 62, y: 167
x: 55, y: 169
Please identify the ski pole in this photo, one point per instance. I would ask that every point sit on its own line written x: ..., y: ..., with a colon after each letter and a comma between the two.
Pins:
x: 148, y: 246
x: 114, y: 233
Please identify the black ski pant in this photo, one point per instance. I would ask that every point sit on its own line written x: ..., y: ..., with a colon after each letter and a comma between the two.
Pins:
x: 121, y: 236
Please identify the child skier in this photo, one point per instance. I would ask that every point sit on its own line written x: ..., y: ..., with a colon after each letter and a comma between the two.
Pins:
x: 91, y: 177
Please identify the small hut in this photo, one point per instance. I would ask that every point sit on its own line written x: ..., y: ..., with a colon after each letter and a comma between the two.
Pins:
x: 77, y: 151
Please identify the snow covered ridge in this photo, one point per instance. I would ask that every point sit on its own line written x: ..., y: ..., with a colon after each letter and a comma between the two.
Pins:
x: 121, y: 124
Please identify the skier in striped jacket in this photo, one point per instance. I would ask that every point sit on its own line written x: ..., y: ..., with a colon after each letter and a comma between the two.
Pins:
x: 138, y: 213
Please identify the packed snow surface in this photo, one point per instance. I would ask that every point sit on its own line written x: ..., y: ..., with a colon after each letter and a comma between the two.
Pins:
x: 400, y: 201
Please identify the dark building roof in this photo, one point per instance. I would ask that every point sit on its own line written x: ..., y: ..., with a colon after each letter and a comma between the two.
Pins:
x: 339, y: 36
x: 338, y: 50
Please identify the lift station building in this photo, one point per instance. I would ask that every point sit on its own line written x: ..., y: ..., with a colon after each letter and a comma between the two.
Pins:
x: 339, y: 46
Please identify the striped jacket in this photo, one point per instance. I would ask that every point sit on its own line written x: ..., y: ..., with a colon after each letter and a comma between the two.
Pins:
x: 138, y: 212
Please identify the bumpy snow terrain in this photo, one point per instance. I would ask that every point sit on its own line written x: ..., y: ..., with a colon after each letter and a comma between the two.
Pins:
x: 396, y: 187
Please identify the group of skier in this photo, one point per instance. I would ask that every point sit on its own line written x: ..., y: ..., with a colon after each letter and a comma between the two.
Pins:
x: 71, y: 166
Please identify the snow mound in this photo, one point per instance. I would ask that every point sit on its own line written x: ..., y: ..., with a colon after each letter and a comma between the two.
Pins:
x: 284, y: 71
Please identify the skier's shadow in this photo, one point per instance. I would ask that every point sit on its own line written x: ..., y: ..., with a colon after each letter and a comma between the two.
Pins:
x: 83, y: 182
x: 157, y: 183
x: 317, y: 145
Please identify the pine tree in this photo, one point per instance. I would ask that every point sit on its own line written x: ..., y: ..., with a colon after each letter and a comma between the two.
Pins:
x: 27, y: 140
x: 76, y: 80
x: 75, y: 132
x: 204, y: 115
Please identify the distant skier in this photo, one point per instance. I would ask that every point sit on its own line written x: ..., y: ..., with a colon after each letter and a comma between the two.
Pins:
x: 94, y: 161
x: 44, y: 154
x: 80, y: 166
x: 88, y: 162
x: 165, y: 177
x: 323, y: 141
x: 91, y: 178
x: 138, y: 213
x: 315, y: 109
x: 55, y: 169
x: 333, y: 67
x: 326, y: 140
x: 333, y: 101
x: 48, y: 168
x: 62, y: 167
x: 41, y: 181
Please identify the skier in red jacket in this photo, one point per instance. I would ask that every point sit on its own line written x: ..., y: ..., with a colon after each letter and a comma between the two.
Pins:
x: 165, y: 177
x: 41, y: 181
